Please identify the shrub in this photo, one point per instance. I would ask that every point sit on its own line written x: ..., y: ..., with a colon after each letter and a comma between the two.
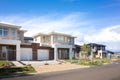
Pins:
x: 6, y: 71
x: 9, y: 70
x: 98, y: 62
x: 28, y: 69
x: 85, y: 62
x: 105, y: 60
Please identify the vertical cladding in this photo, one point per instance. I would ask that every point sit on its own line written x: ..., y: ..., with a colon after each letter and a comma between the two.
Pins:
x: 51, y: 53
x: 35, y: 46
x: 12, y: 52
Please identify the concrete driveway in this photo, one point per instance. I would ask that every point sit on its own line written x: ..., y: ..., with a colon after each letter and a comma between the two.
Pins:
x: 40, y: 66
x: 39, y: 63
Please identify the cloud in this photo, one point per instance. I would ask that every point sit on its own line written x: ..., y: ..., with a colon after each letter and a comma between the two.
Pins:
x: 116, y: 29
x: 60, y: 23
x: 106, y: 34
x: 109, y: 36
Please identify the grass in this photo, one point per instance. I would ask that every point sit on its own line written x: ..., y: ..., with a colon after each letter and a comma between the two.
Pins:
x: 104, y: 60
x: 24, y: 70
x: 4, y: 63
x: 90, y: 63
x: 7, y: 68
x: 7, y: 71
x: 28, y: 69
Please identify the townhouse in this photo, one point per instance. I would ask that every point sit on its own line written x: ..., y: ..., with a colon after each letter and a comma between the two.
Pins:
x: 63, y: 44
x: 11, y: 36
x: 14, y: 46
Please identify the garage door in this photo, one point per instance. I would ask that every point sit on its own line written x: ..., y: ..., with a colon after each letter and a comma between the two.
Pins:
x: 26, y: 54
x: 43, y: 54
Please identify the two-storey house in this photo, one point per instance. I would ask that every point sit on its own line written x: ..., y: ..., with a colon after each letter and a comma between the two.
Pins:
x: 98, y: 50
x: 11, y: 37
x: 63, y: 44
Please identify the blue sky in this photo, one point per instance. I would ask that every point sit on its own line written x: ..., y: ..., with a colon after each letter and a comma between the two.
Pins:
x: 88, y: 20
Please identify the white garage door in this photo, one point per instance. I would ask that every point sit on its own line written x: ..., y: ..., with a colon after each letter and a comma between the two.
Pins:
x: 43, y: 54
x: 26, y: 54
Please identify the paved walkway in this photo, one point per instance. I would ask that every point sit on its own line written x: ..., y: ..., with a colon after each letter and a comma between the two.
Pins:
x: 39, y: 63
x: 16, y: 63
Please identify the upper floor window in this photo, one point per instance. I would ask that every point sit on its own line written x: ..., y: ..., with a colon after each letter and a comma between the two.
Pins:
x: 35, y: 39
x: 103, y: 48
x: 46, y: 39
x: 3, y: 31
x: 66, y: 40
x: 69, y: 40
x: 60, y: 38
x: 54, y: 38
x: 13, y: 33
x: 72, y: 40
x: 18, y: 35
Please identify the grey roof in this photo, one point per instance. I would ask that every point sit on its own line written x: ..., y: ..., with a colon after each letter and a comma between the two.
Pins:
x: 95, y: 44
x: 110, y: 51
x: 28, y: 38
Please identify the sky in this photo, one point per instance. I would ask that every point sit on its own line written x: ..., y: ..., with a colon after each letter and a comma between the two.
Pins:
x: 91, y: 21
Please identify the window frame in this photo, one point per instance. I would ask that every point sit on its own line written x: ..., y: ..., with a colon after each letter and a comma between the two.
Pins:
x: 18, y: 35
x: 3, y: 31
x: 13, y: 32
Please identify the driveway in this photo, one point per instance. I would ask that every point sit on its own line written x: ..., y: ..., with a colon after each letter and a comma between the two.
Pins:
x: 105, y: 72
x: 52, y: 66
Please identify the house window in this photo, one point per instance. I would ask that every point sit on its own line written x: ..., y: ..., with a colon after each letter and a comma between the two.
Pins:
x: 55, y: 38
x: 4, y: 51
x: 18, y: 35
x: 60, y: 38
x: 68, y: 40
x: 65, y: 39
x: 0, y: 31
x: 44, y: 39
x: 3, y: 31
x: 35, y: 39
x: 72, y: 40
x: 13, y: 33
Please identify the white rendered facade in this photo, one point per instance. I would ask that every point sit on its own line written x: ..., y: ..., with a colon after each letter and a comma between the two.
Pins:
x: 56, y: 41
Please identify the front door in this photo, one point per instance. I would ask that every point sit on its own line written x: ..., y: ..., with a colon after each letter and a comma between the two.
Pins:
x: 63, y: 54
x: 11, y: 53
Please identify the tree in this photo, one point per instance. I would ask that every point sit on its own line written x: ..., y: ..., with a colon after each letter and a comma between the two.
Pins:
x: 85, y: 51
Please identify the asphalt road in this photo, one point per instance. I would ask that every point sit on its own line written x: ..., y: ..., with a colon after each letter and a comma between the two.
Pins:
x: 105, y: 72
